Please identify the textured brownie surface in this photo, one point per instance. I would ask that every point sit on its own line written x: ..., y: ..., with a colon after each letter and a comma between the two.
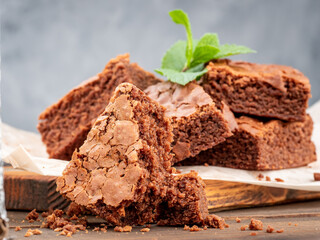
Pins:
x: 258, y: 145
x: 197, y: 123
x: 272, y: 91
x: 65, y: 125
x: 122, y: 172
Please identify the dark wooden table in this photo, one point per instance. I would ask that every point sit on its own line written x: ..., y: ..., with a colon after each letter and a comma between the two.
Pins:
x: 298, y: 220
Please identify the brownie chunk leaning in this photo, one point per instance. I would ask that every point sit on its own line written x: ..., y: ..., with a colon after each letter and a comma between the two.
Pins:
x: 123, y: 171
x: 271, y: 91
x: 258, y: 145
x: 197, y: 123
x: 64, y: 125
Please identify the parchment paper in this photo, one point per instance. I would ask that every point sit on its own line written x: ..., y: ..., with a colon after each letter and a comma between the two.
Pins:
x: 296, y: 178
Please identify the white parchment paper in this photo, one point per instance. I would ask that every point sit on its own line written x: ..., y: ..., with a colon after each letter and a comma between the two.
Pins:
x: 296, y: 178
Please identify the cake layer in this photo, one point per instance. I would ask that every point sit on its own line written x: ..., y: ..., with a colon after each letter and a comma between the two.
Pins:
x: 122, y: 172
x: 65, y: 125
x: 271, y: 91
x: 197, y: 123
x: 258, y: 145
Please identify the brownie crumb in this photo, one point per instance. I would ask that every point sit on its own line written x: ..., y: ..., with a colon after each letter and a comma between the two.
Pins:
x: 148, y: 225
x: 260, y: 176
x: 205, y: 228
x: 253, y: 234
x: 44, y: 214
x: 31, y: 232
x: 296, y: 224
x: 279, y: 180
x: 215, y: 221
x: 145, y: 230
x: 195, y: 228
x: 289, y: 223
x: 28, y: 233
x: 206, y: 164
x: 74, y: 217
x: 244, y: 227
x: 238, y: 220
x: 255, y: 224
x: 32, y: 216
x: 316, y: 176
x: 186, y: 228
x: 270, y: 229
x: 58, y: 223
x: 96, y: 229
x: 123, y: 229
x: 280, y: 231
x: 268, y: 178
x: 18, y: 228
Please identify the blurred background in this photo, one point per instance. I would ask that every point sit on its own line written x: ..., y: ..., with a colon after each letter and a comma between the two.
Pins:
x: 49, y: 47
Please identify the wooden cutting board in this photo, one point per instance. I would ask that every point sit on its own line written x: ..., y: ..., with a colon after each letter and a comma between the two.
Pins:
x: 27, y: 191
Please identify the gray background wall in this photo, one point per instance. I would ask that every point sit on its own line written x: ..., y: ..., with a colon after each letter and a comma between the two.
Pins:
x: 50, y: 46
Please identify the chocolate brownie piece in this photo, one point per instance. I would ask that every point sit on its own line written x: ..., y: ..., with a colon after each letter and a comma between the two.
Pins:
x: 122, y: 172
x: 258, y: 145
x: 271, y: 91
x: 197, y: 123
x: 186, y: 203
x: 65, y: 125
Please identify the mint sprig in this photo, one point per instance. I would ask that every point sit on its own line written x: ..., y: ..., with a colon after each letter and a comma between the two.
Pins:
x: 183, y: 62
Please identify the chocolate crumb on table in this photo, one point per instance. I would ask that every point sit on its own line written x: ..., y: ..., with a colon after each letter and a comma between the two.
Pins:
x: 66, y: 227
x: 279, y: 180
x: 268, y: 178
x: 65, y: 124
x: 238, y: 220
x: 31, y: 232
x: 269, y: 229
x: 280, y: 231
x: 255, y: 224
x: 316, y: 176
x: 197, y: 122
x: 195, y: 228
x: 244, y: 227
x: 262, y: 145
x: 271, y: 91
x: 32, y: 216
x: 253, y: 234
x: 44, y: 214
x: 18, y: 228
x: 122, y: 172
x: 123, y: 229
x: 260, y: 176
x: 145, y: 230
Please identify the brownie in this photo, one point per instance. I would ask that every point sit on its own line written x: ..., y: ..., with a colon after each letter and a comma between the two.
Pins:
x: 65, y: 125
x: 263, y: 90
x: 259, y: 145
x: 197, y: 123
x: 123, y: 171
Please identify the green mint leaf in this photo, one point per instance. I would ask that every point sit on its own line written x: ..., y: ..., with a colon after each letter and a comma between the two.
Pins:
x: 180, y: 17
x: 175, y: 57
x: 209, y: 39
x: 181, y: 78
x: 205, y: 49
x: 232, y: 49
x: 197, y: 68
x: 203, y: 54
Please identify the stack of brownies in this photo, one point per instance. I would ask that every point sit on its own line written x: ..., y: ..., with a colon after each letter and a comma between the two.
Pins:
x: 124, y: 129
x: 269, y: 102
